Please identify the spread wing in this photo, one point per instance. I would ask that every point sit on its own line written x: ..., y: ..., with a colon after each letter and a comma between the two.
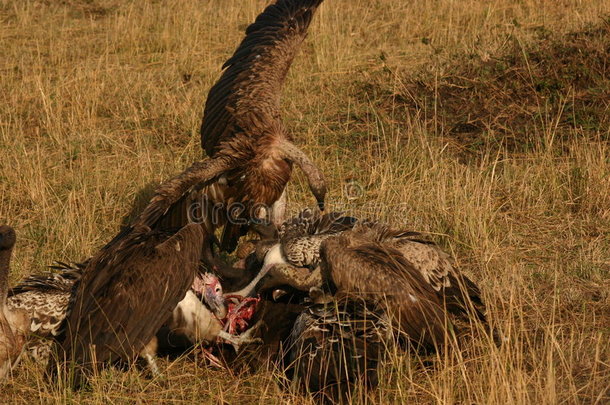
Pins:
x: 380, y: 274
x: 127, y: 292
x: 247, y: 95
x: 461, y: 295
x: 169, y: 206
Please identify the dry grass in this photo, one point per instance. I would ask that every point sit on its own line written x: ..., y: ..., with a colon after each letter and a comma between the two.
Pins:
x: 103, y: 97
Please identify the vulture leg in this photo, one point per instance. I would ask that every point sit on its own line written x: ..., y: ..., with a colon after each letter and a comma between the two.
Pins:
x: 149, y: 353
x: 278, y: 210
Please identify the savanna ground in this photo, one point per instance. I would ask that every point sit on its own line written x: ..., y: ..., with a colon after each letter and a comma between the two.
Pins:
x: 485, y: 123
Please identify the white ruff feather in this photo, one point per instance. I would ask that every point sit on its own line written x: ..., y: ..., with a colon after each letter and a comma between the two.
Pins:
x: 274, y: 256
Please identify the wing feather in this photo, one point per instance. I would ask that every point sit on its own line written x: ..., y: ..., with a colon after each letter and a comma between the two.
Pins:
x: 252, y: 78
x: 381, y: 274
x: 127, y: 292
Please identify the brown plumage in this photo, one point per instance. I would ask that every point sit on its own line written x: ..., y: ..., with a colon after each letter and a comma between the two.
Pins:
x: 13, y: 322
x: 375, y: 271
x: 45, y: 297
x: 241, y: 121
x: 379, y: 252
x: 128, y: 290
x: 130, y: 286
x: 460, y: 295
x: 336, y: 347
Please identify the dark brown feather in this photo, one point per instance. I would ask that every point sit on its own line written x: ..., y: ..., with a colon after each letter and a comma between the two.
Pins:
x: 126, y: 293
x: 379, y: 273
x: 459, y: 294
x: 241, y: 117
x: 336, y: 346
x: 247, y: 95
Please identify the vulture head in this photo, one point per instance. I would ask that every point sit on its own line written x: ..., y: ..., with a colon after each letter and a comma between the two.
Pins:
x: 276, y: 277
x: 208, y: 289
x: 7, y: 237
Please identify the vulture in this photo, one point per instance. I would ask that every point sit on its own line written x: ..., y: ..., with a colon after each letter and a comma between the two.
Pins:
x: 335, y: 347
x: 368, y: 285
x: 45, y: 298
x: 130, y: 287
x: 13, y: 322
x: 126, y: 293
x: 414, y: 277
x: 243, y: 134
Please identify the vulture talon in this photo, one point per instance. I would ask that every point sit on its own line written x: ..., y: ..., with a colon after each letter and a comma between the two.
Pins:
x: 151, y: 361
x: 237, y: 341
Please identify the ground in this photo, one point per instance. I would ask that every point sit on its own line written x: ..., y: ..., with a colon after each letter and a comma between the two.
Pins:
x: 485, y: 124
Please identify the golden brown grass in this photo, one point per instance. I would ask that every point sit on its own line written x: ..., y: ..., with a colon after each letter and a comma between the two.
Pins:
x: 104, y: 97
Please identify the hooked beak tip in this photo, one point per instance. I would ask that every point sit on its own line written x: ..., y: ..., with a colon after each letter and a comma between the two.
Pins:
x: 277, y: 294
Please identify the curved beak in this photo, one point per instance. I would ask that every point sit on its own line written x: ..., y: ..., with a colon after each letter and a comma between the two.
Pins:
x: 278, y: 293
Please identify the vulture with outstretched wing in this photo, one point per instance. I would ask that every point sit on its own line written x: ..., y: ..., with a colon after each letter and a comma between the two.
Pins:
x: 244, y: 137
x: 241, y: 120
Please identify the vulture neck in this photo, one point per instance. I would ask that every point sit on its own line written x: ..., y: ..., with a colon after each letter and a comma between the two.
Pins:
x: 5, y: 259
x: 273, y: 257
x: 267, y: 178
